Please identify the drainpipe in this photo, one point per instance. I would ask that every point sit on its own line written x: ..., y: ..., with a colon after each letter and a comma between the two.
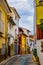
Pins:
x: 34, y: 24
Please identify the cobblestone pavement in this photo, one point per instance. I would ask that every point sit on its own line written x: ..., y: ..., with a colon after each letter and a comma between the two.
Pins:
x: 29, y: 61
x: 21, y: 60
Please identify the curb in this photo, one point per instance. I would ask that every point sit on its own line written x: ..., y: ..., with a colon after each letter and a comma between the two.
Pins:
x: 34, y: 59
x: 5, y: 61
x: 8, y: 59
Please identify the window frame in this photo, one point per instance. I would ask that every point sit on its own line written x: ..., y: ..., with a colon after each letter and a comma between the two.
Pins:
x: 3, y: 50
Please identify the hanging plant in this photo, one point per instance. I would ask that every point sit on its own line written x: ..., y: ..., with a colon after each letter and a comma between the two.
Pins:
x: 35, y: 52
x: 41, y: 24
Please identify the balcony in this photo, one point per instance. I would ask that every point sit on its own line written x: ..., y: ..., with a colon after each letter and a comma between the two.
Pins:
x: 11, y: 21
x: 1, y: 27
x: 41, y: 2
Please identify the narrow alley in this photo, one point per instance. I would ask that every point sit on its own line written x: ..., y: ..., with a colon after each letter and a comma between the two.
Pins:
x: 21, y: 60
x: 21, y: 32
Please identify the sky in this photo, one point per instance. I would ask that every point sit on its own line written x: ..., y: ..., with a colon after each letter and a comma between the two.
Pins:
x: 26, y: 11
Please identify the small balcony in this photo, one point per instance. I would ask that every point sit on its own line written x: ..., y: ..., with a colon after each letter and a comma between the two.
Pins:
x: 41, y: 2
x: 1, y: 27
x: 11, y: 21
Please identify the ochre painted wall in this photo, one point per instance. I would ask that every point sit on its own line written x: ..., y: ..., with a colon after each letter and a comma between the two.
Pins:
x: 39, y: 14
x: 37, y: 2
x: 23, y: 43
x: 5, y: 22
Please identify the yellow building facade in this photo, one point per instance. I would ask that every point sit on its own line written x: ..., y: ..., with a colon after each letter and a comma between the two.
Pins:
x: 3, y: 28
x: 39, y: 11
x: 39, y: 17
x: 24, y: 45
x: 23, y: 40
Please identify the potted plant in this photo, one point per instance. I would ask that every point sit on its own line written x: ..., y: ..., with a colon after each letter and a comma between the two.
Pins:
x: 36, y: 56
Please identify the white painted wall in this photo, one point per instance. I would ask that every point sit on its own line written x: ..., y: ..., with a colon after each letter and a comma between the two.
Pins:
x: 31, y: 44
x: 15, y: 27
x: 12, y: 30
x: 16, y: 21
x: 27, y: 39
x: 13, y: 16
x: 12, y: 33
x: 32, y: 47
x: 40, y: 54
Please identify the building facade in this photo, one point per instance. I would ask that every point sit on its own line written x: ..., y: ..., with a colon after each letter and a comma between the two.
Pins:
x: 4, y: 11
x: 11, y: 25
x: 26, y: 31
x: 23, y: 46
x: 13, y: 31
x: 39, y: 32
x: 22, y: 42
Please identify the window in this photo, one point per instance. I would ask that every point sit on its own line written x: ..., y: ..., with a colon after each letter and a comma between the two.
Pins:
x: 0, y: 14
x: 27, y: 41
x: 10, y: 25
x: 27, y: 32
x: 15, y: 17
x: 8, y: 41
x: 11, y: 22
x: 3, y: 49
x: 15, y: 32
x: 1, y: 26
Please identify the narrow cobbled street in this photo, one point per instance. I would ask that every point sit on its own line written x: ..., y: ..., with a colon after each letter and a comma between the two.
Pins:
x: 21, y: 32
x: 21, y: 60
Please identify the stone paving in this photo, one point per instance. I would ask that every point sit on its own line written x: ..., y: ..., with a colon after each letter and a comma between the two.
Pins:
x: 29, y: 61
x: 21, y: 60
